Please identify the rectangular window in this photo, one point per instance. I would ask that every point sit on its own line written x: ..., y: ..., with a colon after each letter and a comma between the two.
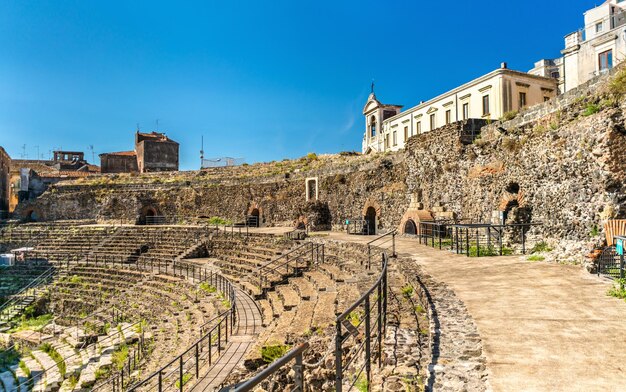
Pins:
x: 522, y: 100
x: 418, y: 127
x: 386, y: 141
x: 406, y: 133
x: 605, y: 60
x: 486, y: 105
x: 448, y: 117
x: 395, y: 138
x: 433, y: 123
x: 465, y: 111
x: 599, y: 27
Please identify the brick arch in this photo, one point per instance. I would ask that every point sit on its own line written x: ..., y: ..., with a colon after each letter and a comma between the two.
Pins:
x: 374, y: 204
x: 415, y: 216
x: 509, y: 198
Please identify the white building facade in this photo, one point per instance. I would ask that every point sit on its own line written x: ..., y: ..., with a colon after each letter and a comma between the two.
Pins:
x: 591, y: 51
x: 387, y: 128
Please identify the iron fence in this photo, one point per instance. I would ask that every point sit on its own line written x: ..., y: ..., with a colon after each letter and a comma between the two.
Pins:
x: 357, y: 226
x: 610, y: 263
x: 476, y: 239
x: 26, y: 296
x: 356, y: 334
x: 293, y: 354
x: 290, y: 263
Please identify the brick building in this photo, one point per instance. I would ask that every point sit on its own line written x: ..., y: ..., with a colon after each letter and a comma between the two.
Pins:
x: 153, y: 152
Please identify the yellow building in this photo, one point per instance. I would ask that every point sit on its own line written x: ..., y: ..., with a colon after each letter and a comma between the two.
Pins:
x: 387, y: 128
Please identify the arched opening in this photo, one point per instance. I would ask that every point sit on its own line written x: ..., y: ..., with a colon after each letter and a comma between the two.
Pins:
x: 148, y: 216
x: 510, y: 205
x: 373, y: 126
x: 31, y: 216
x: 410, y: 228
x: 254, y: 218
x: 370, y: 217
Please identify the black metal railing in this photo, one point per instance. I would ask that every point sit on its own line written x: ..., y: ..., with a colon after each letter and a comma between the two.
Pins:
x: 383, y: 243
x: 357, y: 226
x: 610, y: 262
x: 27, y: 295
x: 294, y: 354
x: 290, y: 263
x: 476, y: 239
x: 184, y: 368
x: 360, y: 333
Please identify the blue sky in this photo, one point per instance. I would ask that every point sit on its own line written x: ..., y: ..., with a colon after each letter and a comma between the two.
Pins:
x: 263, y: 80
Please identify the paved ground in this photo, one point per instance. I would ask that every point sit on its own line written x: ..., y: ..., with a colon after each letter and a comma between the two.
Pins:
x: 544, y: 327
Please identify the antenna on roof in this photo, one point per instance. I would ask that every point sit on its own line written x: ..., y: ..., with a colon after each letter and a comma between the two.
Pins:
x: 372, y: 86
x: 202, y: 151
x: 93, y: 156
x: 138, y: 128
x: 24, y: 151
x: 157, y: 125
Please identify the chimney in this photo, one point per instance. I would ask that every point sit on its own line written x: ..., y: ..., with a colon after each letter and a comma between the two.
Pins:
x: 503, y: 65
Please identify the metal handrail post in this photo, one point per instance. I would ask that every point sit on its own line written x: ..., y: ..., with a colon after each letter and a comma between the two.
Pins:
x: 338, y: 359
x: 368, y: 337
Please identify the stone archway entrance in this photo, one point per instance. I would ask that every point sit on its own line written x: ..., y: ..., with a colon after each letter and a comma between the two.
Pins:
x: 370, y: 216
x: 410, y: 228
x: 147, y: 215
x: 254, y: 218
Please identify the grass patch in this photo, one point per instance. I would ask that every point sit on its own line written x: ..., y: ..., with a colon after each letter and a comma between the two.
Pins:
x: 24, y: 368
x: 535, y: 258
x: 272, y: 352
x: 186, y: 378
x: 56, y: 357
x: 207, y: 288
x: 34, y: 323
x: 354, y: 318
x: 617, y: 86
x: 407, y: 291
x: 216, y: 220
x: 361, y: 384
x: 119, y: 357
x: 509, y: 115
x: 76, y: 279
x: 541, y: 246
x: 594, y: 231
x: 618, y: 290
x: 591, y: 108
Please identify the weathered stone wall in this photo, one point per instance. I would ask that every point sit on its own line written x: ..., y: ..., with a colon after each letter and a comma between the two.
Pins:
x: 5, y: 168
x: 344, y: 192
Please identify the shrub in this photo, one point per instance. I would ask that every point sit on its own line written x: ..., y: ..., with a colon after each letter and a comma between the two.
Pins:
x: 617, y: 86
x: 361, y: 384
x: 186, y: 378
x: 204, y: 286
x: 591, y: 109
x: 511, y: 144
x: 509, y: 115
x: 618, y: 290
x: 354, y: 318
x: 272, y: 352
x: 541, y: 246
x: 407, y: 291
x: 119, y: 356
x: 594, y: 231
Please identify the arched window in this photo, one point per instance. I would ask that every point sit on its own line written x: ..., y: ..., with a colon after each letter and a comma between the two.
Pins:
x: 373, y: 125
